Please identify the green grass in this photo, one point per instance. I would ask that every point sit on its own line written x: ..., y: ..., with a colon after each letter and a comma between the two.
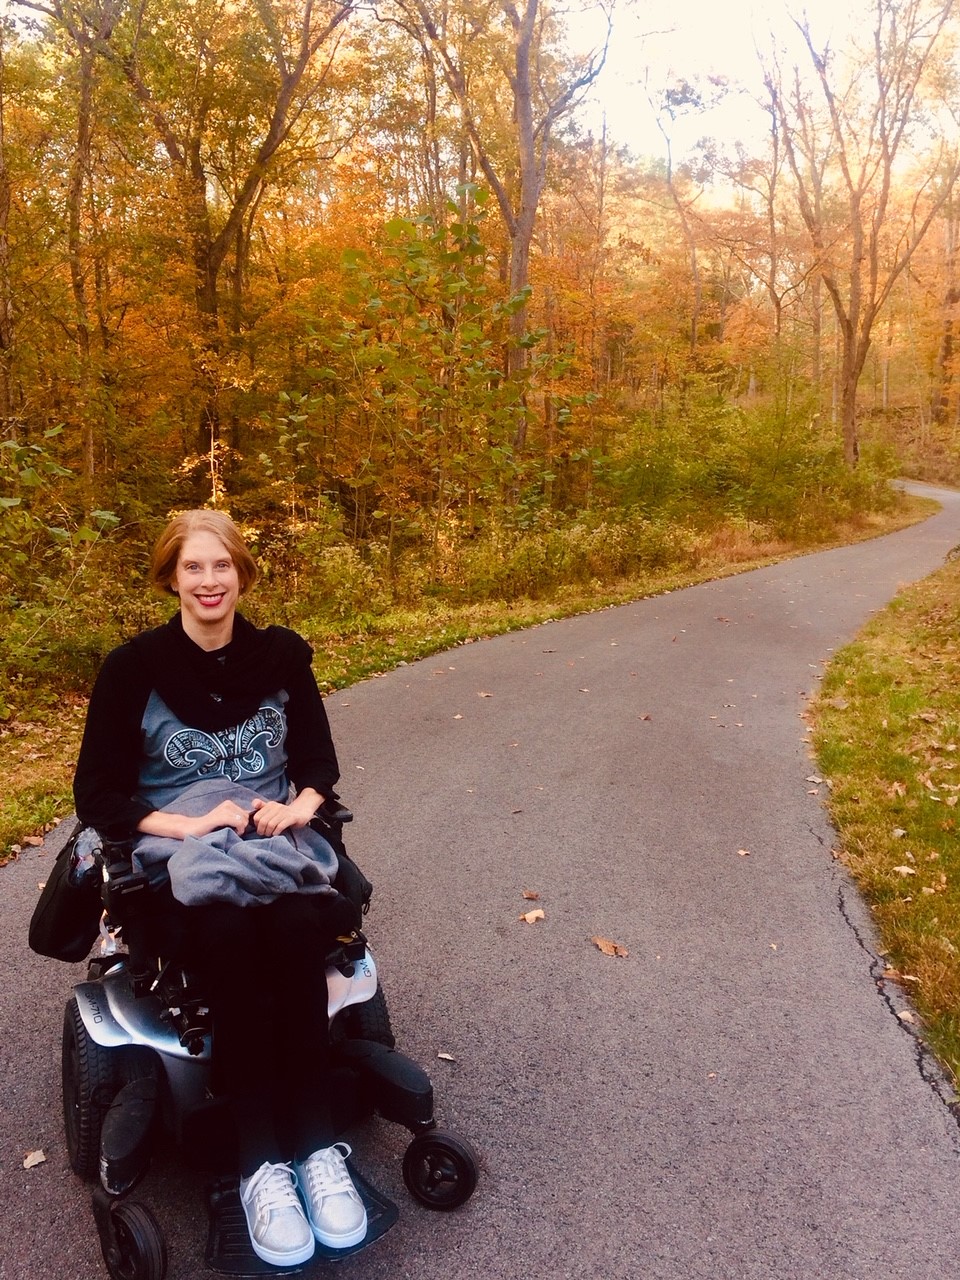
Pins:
x: 887, y: 735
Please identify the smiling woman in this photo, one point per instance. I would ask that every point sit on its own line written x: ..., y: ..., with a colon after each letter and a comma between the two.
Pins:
x: 207, y: 745
x: 202, y: 559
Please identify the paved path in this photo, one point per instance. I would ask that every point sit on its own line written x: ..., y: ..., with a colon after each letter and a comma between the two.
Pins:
x: 735, y: 1100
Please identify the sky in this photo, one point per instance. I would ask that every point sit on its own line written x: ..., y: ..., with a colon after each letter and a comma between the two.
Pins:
x: 692, y: 37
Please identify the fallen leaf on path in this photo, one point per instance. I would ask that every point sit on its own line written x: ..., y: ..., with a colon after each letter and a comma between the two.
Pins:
x: 905, y: 871
x: 646, y: 716
x: 446, y: 1057
x: 744, y: 853
x: 531, y: 917
x: 482, y: 693
x: 609, y: 948
x: 895, y: 976
x: 531, y: 895
x: 458, y: 716
x: 33, y: 1158
x: 33, y: 841
x: 906, y: 1016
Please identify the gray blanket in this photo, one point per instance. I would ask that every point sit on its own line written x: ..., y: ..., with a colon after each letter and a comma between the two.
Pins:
x: 225, y: 867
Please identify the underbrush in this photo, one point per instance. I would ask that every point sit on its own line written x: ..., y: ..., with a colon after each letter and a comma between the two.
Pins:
x: 359, y: 622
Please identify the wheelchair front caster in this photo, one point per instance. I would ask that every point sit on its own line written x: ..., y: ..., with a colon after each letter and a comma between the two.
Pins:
x: 131, y: 1242
x: 440, y: 1170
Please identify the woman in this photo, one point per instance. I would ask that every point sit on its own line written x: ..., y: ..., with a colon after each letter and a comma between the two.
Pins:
x: 195, y: 732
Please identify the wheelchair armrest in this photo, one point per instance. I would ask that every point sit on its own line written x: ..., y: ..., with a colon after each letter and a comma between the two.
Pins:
x: 333, y: 811
x: 121, y: 884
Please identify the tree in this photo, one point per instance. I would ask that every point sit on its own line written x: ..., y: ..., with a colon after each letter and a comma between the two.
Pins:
x: 478, y: 49
x: 847, y: 139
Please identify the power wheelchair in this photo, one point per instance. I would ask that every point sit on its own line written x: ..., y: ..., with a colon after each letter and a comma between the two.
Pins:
x: 137, y: 1058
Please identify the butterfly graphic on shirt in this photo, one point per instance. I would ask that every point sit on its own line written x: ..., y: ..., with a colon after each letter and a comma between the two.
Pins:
x: 232, y: 753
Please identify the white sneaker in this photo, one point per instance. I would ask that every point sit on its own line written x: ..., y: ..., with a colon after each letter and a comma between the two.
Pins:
x: 334, y: 1207
x: 279, y: 1230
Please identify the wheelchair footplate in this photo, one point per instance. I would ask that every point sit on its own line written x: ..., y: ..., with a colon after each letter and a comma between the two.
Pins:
x: 230, y: 1253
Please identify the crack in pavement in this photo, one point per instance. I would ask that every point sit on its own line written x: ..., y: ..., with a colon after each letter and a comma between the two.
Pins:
x: 928, y: 1067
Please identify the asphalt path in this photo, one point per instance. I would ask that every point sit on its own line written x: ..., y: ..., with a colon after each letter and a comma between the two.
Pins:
x: 735, y: 1098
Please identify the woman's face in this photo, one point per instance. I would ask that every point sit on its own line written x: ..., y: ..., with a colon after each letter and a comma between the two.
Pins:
x: 207, y: 582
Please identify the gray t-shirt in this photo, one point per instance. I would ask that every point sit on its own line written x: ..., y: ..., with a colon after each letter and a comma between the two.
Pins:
x: 190, y: 771
x: 176, y: 755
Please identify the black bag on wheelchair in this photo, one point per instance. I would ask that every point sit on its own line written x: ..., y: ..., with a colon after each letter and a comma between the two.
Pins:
x: 66, y: 919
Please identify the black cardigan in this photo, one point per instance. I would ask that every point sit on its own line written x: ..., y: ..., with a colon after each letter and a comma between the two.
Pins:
x: 206, y: 691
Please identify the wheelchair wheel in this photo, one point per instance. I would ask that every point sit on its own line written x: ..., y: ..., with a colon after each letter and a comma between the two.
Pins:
x: 91, y: 1077
x: 132, y: 1243
x: 368, y: 1021
x: 440, y: 1170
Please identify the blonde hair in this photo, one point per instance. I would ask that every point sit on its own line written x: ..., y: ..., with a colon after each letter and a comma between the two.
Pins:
x: 166, y: 553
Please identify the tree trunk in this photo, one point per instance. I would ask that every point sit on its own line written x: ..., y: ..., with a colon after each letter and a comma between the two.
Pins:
x: 6, y: 286
x: 79, y: 168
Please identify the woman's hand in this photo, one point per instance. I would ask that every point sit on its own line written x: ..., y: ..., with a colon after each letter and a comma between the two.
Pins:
x: 227, y: 814
x: 271, y: 818
x: 177, y: 826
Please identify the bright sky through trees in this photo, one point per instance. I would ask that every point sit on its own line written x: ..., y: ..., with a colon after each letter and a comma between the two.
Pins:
x: 687, y: 38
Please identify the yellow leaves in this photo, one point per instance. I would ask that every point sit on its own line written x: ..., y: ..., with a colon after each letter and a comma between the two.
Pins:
x: 605, y: 945
x: 610, y: 948
x: 939, y: 887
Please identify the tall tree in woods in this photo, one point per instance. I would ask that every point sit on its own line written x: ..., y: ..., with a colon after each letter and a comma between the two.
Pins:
x: 848, y: 140
x: 944, y: 376
x: 91, y: 325
x: 482, y: 50
x: 669, y: 103
x: 6, y: 281
x: 222, y: 88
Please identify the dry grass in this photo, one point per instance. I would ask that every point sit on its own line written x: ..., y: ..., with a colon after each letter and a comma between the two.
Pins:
x: 887, y: 729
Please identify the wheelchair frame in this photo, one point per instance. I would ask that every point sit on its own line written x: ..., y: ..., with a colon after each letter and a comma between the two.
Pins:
x: 137, y: 1054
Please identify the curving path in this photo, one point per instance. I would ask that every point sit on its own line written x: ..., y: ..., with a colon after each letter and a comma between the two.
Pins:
x: 734, y: 1100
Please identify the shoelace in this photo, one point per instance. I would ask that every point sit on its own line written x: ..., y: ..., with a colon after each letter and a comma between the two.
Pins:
x: 327, y: 1172
x: 273, y: 1186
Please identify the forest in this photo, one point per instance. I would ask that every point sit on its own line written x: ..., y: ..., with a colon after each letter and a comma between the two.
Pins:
x: 362, y: 275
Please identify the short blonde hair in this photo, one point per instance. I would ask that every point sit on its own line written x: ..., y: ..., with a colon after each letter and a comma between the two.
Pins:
x: 166, y: 553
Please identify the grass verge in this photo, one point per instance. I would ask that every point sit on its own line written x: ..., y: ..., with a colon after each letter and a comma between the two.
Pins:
x: 887, y: 735
x: 38, y: 752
